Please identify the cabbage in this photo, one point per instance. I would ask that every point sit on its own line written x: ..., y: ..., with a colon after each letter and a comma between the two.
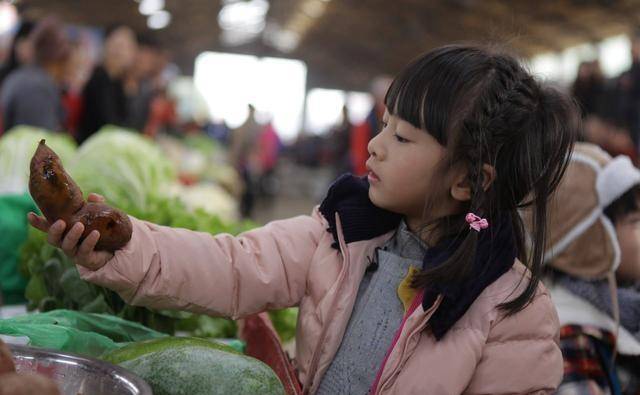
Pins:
x: 201, y: 158
x: 205, y: 145
x: 17, y: 147
x: 128, y: 169
x: 209, y: 197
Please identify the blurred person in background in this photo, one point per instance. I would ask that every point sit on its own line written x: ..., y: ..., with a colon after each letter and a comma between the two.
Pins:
x: 363, y: 133
x: 338, y: 145
x: 588, y: 88
x: 163, y: 116
x: 593, y: 274
x: 608, y: 109
x: 142, y: 81
x: 104, y: 98
x: 31, y: 95
x: 21, y: 52
x: 242, y: 156
x: 218, y: 130
x: 629, y: 91
x: 269, y: 147
x: 78, y: 72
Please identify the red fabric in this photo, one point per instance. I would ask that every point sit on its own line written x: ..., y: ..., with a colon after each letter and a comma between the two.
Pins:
x: 360, y: 137
x: 162, y: 113
x: 263, y: 344
x: 269, y: 147
x: 73, y: 106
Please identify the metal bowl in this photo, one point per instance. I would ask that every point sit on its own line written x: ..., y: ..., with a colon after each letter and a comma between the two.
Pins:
x: 76, y: 375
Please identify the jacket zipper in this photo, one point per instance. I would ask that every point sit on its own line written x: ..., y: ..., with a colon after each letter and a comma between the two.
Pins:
x: 342, y: 276
x: 418, y: 329
x: 414, y: 305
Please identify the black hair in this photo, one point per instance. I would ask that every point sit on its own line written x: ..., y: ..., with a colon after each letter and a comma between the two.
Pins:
x: 112, y: 28
x: 149, y: 41
x: 485, y: 108
x: 50, y: 42
x: 624, y: 205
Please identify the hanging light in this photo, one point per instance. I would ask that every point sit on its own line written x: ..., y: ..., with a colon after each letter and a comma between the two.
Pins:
x: 242, y: 21
x: 159, y: 20
x: 149, y: 7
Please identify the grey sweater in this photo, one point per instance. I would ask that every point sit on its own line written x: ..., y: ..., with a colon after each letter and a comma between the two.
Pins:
x: 29, y: 96
x: 377, y: 315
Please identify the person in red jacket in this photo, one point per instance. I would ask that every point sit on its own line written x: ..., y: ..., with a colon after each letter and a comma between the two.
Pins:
x: 364, y: 132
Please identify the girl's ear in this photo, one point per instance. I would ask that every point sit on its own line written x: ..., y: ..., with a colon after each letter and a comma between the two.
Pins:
x: 461, y: 188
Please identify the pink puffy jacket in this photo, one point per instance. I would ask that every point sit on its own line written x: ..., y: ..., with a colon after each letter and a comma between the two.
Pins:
x: 291, y: 263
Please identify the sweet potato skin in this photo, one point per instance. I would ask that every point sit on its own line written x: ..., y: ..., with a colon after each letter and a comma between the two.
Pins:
x: 59, y: 197
x: 114, y: 226
x: 53, y: 190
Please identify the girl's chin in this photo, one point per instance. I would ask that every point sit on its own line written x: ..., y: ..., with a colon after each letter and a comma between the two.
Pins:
x: 377, y: 200
x: 373, y: 196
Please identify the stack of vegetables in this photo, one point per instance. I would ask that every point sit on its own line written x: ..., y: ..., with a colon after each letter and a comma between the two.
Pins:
x: 207, y: 180
x: 134, y: 176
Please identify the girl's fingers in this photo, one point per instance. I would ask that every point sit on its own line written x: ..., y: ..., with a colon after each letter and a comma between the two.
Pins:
x: 38, y: 222
x: 88, y: 245
x: 70, y: 243
x: 95, y: 198
x: 55, y: 232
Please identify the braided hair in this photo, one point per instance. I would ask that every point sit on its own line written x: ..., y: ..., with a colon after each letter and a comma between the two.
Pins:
x: 486, y: 109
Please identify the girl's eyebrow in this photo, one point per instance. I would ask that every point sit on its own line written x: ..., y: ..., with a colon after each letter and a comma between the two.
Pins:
x: 406, y: 127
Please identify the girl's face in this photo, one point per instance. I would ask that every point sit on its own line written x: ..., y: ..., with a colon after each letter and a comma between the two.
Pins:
x: 628, y: 232
x: 402, y: 160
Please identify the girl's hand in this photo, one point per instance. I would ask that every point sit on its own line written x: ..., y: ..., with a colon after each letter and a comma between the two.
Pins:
x: 81, y: 253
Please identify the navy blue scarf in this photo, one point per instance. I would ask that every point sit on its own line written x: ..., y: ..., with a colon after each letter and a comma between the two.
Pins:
x: 362, y: 220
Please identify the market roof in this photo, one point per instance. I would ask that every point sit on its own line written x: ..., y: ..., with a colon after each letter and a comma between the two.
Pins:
x: 346, y: 43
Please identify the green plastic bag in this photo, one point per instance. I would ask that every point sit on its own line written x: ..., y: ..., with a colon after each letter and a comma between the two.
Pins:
x: 13, y: 228
x: 78, y: 332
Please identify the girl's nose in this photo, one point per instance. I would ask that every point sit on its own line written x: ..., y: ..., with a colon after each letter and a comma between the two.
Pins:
x: 375, y: 147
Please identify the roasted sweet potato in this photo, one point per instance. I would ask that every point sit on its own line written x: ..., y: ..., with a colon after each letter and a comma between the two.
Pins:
x: 6, y: 360
x: 59, y: 197
x: 27, y: 384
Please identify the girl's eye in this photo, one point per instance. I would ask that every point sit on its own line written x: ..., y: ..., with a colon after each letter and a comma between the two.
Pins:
x: 400, y: 138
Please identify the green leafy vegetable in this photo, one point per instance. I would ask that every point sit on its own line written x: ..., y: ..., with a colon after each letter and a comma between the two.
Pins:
x: 134, y: 175
x: 128, y: 169
x: 16, y: 149
x: 285, y: 322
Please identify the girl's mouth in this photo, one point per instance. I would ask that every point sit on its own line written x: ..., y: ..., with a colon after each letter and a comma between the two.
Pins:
x: 372, y: 177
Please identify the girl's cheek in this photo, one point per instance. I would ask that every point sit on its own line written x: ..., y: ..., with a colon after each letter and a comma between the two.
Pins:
x: 636, y: 252
x: 629, y: 238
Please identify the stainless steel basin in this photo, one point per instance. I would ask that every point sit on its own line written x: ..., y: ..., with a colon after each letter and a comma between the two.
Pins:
x: 78, y: 375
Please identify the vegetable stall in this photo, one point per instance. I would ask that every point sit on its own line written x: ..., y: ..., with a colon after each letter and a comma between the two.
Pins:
x: 175, y: 182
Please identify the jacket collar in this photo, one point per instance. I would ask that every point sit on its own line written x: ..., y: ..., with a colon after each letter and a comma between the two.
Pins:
x: 362, y: 220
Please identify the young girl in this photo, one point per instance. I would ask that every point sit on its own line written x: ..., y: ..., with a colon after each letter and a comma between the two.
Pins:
x: 410, y: 281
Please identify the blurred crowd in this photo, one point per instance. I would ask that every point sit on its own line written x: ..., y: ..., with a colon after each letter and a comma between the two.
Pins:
x: 611, y: 107
x: 51, y: 81
x: 345, y: 147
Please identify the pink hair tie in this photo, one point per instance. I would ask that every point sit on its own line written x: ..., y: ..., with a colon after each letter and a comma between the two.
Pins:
x: 476, y: 223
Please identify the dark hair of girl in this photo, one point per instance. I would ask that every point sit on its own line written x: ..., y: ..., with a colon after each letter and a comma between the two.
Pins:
x: 485, y: 108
